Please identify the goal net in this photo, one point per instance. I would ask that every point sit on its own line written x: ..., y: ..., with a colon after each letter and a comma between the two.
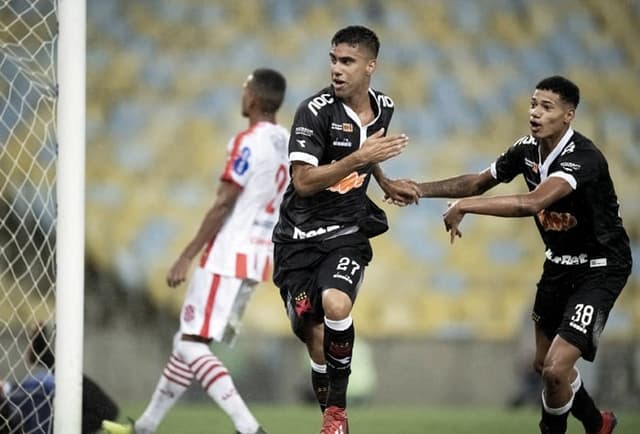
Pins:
x: 28, y: 94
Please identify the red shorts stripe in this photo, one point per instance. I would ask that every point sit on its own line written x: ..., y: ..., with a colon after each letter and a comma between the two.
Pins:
x: 204, y: 332
x: 241, y: 266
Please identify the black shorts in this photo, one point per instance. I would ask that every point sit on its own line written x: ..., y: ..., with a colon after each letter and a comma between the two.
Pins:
x: 574, y: 302
x: 303, y: 270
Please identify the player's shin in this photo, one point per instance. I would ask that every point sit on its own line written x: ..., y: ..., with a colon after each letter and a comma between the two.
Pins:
x: 174, y: 381
x: 554, y: 420
x: 320, y: 383
x: 584, y: 409
x: 339, y: 337
x: 217, y: 383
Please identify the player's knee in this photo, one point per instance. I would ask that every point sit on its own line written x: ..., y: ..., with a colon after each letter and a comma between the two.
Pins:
x: 553, y: 375
x: 337, y: 305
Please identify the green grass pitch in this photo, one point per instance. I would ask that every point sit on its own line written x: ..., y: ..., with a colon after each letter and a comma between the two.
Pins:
x: 188, y: 418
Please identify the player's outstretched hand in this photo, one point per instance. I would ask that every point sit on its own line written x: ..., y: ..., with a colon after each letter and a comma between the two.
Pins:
x: 401, y: 192
x: 178, y: 271
x: 379, y: 147
x: 452, y: 218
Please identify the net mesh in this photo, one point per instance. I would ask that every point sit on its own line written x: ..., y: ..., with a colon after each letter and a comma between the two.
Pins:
x: 28, y: 35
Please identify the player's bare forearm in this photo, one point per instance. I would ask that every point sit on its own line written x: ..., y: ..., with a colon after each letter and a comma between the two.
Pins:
x: 308, y: 179
x: 517, y: 205
x: 226, y: 198
x: 459, y: 186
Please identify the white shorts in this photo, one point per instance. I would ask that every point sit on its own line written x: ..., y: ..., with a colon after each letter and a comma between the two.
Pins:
x: 214, y: 305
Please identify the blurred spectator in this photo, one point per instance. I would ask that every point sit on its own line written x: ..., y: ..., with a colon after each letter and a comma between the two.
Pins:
x: 29, y: 404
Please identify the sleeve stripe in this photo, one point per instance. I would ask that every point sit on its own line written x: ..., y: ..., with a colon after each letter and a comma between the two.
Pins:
x: 569, y: 178
x: 494, y: 171
x: 304, y: 157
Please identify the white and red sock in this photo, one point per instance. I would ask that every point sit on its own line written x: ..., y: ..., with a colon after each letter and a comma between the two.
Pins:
x: 175, y: 380
x: 216, y: 381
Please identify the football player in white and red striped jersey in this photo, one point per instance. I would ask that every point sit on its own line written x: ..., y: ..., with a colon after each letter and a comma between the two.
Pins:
x: 234, y: 240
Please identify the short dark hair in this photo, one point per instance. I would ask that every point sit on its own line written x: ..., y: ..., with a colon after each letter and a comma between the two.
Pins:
x: 269, y: 87
x: 568, y: 90
x: 358, y: 35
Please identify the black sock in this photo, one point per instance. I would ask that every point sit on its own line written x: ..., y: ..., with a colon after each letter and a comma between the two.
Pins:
x: 338, y: 350
x: 585, y: 410
x: 553, y: 424
x: 320, y: 384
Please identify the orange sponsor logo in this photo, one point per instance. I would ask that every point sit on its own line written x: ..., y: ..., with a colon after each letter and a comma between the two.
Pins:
x: 348, y: 183
x: 556, y: 221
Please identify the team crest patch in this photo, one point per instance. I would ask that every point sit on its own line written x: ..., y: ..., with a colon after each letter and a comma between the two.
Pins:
x: 189, y: 313
x: 347, y: 127
x: 303, y: 304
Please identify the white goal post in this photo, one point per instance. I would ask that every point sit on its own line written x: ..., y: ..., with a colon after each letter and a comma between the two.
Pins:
x: 42, y: 184
x: 71, y: 67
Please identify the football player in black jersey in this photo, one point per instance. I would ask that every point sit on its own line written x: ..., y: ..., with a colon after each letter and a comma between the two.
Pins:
x: 588, y: 259
x: 321, y: 240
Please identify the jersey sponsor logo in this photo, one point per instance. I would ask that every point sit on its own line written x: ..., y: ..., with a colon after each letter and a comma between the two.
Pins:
x: 241, y: 163
x: 580, y: 259
x: 318, y: 102
x: 526, y: 140
x: 347, y: 127
x: 556, y: 221
x: 568, y: 149
x: 598, y: 262
x: 346, y: 143
x: 304, y: 131
x: 348, y: 183
x: 299, y: 234
x: 385, y: 101
x: 569, y: 166
x: 301, y: 143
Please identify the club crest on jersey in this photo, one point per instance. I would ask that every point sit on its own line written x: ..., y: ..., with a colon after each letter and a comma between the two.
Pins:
x: 348, y: 183
x: 241, y: 162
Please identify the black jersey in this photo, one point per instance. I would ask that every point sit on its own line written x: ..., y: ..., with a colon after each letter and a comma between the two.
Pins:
x: 325, y: 130
x: 583, y: 227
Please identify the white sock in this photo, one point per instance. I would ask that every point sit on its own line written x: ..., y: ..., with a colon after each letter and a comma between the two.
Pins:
x: 216, y: 381
x: 560, y: 410
x: 175, y: 380
x: 575, y: 385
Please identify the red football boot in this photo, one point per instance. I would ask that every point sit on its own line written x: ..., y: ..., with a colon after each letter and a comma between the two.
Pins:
x: 609, y: 422
x: 335, y: 421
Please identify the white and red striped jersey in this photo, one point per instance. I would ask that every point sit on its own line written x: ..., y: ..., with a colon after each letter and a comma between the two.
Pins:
x: 257, y: 161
